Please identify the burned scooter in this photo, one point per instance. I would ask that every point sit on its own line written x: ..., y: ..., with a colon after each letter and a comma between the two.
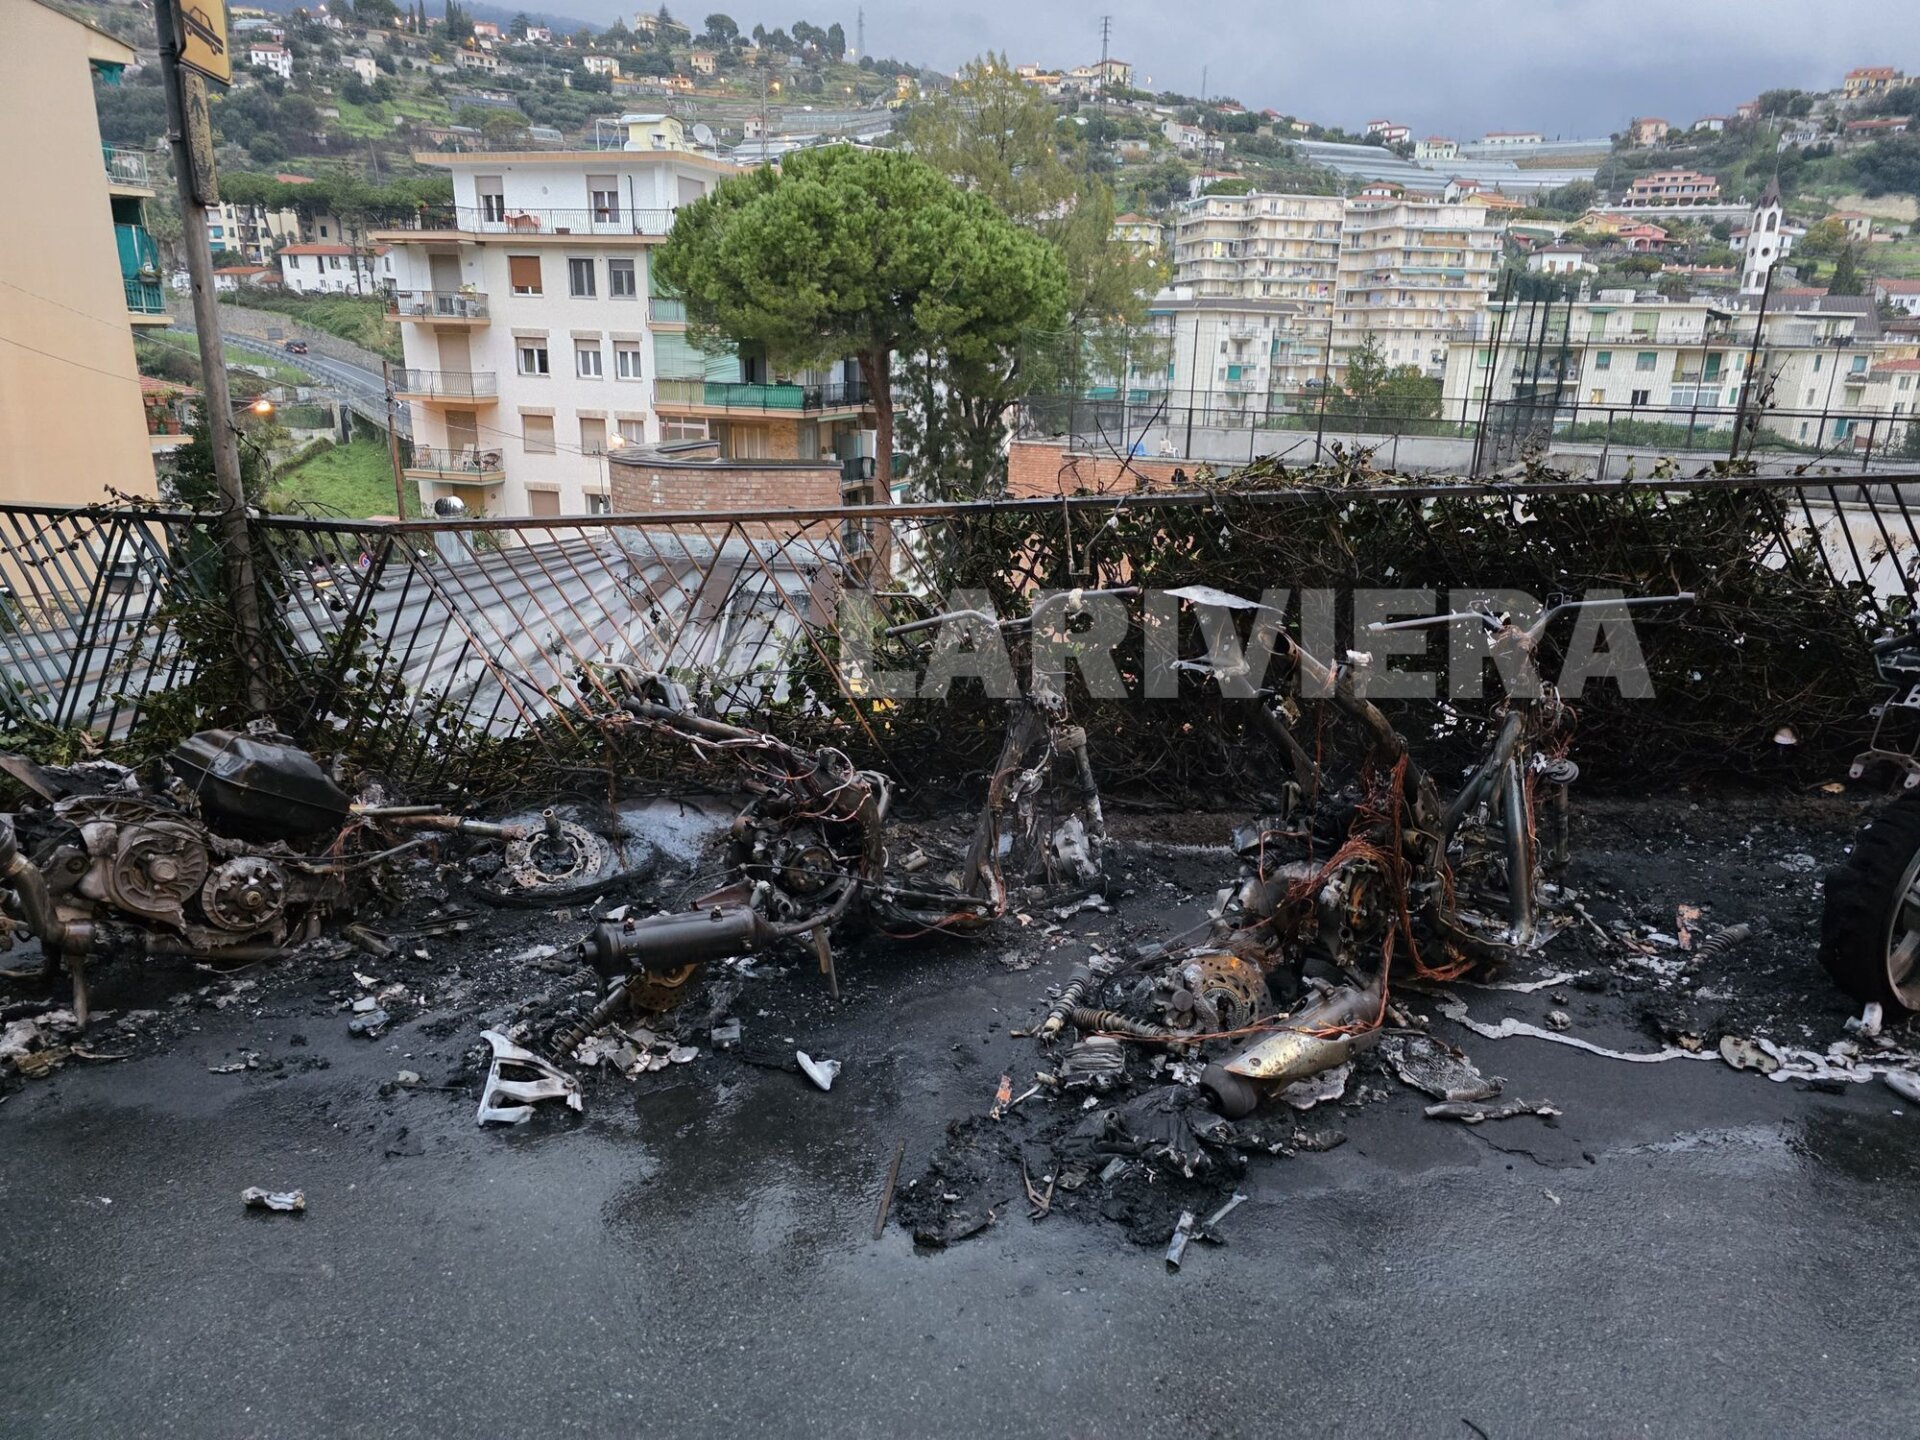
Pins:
x: 250, y: 850
x: 810, y: 851
x: 1364, y: 863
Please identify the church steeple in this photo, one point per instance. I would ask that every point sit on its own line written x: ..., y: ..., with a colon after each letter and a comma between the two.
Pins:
x: 1766, y: 239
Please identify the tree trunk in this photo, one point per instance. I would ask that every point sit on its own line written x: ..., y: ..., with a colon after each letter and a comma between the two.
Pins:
x: 876, y: 367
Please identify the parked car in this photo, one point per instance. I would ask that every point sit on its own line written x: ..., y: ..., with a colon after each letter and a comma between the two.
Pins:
x: 296, y: 347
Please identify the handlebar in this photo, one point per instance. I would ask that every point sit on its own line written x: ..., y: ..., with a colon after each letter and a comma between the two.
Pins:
x: 1534, y: 631
x: 1072, y: 597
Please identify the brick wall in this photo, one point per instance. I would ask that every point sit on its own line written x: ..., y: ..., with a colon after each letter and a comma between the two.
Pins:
x: 1047, y: 467
x: 661, y: 487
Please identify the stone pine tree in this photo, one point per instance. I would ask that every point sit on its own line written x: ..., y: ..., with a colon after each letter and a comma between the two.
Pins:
x: 869, y: 254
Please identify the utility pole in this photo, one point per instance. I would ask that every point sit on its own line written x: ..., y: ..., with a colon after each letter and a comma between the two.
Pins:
x: 1753, y: 362
x: 236, y: 544
x: 1106, y: 34
x: 860, y: 33
x: 393, y: 444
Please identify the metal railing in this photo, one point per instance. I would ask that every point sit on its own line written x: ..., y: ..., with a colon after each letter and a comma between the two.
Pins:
x: 666, y: 310
x: 424, y: 644
x: 463, y: 463
x: 125, y: 166
x: 531, y: 221
x: 731, y: 395
x: 1237, y: 423
x: 437, y: 305
x: 144, y: 297
x: 447, y: 384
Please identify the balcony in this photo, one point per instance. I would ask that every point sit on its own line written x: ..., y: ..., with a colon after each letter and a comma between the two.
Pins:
x: 445, y: 386
x: 467, y: 465
x: 146, y: 301
x: 663, y: 310
x: 127, y: 169
x: 533, y: 223
x: 140, y: 274
x: 781, y: 399
x: 440, y: 307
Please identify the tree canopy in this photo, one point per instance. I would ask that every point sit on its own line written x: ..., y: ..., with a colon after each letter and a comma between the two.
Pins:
x: 871, y: 254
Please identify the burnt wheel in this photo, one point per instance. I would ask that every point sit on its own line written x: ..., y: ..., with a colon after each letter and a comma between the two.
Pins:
x: 1870, y: 931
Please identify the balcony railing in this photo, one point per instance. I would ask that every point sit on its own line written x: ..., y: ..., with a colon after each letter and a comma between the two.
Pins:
x: 518, y: 220
x: 437, y: 305
x: 447, y: 384
x: 666, y: 311
x: 728, y: 395
x: 145, y: 297
x: 468, y: 464
x: 126, y: 167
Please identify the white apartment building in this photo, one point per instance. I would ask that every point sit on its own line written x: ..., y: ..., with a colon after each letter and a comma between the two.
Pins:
x: 1230, y: 356
x: 1411, y: 273
x: 321, y: 269
x: 1821, y: 375
x: 1407, y: 270
x: 535, y: 336
x: 277, y: 59
x: 250, y: 230
x: 601, y: 65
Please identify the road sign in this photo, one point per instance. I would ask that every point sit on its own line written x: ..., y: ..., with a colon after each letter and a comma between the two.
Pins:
x: 203, y: 38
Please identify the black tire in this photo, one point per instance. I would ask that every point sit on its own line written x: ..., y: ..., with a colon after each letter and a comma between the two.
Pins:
x: 1232, y: 1096
x: 1863, y: 897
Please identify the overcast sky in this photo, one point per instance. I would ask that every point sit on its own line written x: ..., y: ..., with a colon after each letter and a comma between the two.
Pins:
x: 1453, y: 67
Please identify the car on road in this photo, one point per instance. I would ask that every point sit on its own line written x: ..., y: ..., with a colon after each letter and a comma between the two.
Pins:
x: 296, y: 347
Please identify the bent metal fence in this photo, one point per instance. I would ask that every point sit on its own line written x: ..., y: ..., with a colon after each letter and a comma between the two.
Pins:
x: 469, y: 657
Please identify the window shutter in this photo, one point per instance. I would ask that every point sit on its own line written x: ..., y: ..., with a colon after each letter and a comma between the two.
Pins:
x: 523, y: 272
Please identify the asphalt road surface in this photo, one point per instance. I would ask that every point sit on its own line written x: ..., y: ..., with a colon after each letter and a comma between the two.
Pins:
x: 1689, y: 1250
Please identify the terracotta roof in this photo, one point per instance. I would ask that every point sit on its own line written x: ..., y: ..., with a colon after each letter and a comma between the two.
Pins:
x: 1898, y: 365
x: 1899, y: 287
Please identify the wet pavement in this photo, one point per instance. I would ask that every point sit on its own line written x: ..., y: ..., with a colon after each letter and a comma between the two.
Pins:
x: 1687, y: 1250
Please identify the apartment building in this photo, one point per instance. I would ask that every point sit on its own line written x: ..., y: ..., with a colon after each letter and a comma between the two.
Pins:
x: 252, y: 231
x: 1674, y: 187
x: 1405, y: 270
x: 1869, y: 80
x: 1685, y: 362
x: 536, y: 338
x: 274, y: 59
x: 72, y: 420
x: 322, y: 269
x: 1231, y: 356
x: 1264, y: 247
x: 1411, y: 272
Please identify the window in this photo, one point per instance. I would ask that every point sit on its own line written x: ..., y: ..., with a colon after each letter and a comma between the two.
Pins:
x: 323, y: 232
x: 533, y: 357
x: 1858, y: 366
x: 536, y: 434
x: 593, y: 435
x: 1596, y: 396
x: 1641, y: 397
x: 604, y: 193
x: 598, y: 504
x: 626, y: 360
x: 1817, y: 360
x: 523, y: 274
x: 493, y: 198
x: 542, y: 503
x: 620, y: 280
x: 1603, y: 359
x: 634, y: 432
x: 683, y: 430
x: 586, y: 359
x: 333, y: 262
x: 580, y: 279
x: 1645, y: 360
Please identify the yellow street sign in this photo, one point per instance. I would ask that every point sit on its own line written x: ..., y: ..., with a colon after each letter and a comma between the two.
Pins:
x: 203, y: 38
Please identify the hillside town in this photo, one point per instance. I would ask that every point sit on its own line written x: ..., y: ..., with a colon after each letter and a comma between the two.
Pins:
x: 906, y: 730
x: 459, y: 197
